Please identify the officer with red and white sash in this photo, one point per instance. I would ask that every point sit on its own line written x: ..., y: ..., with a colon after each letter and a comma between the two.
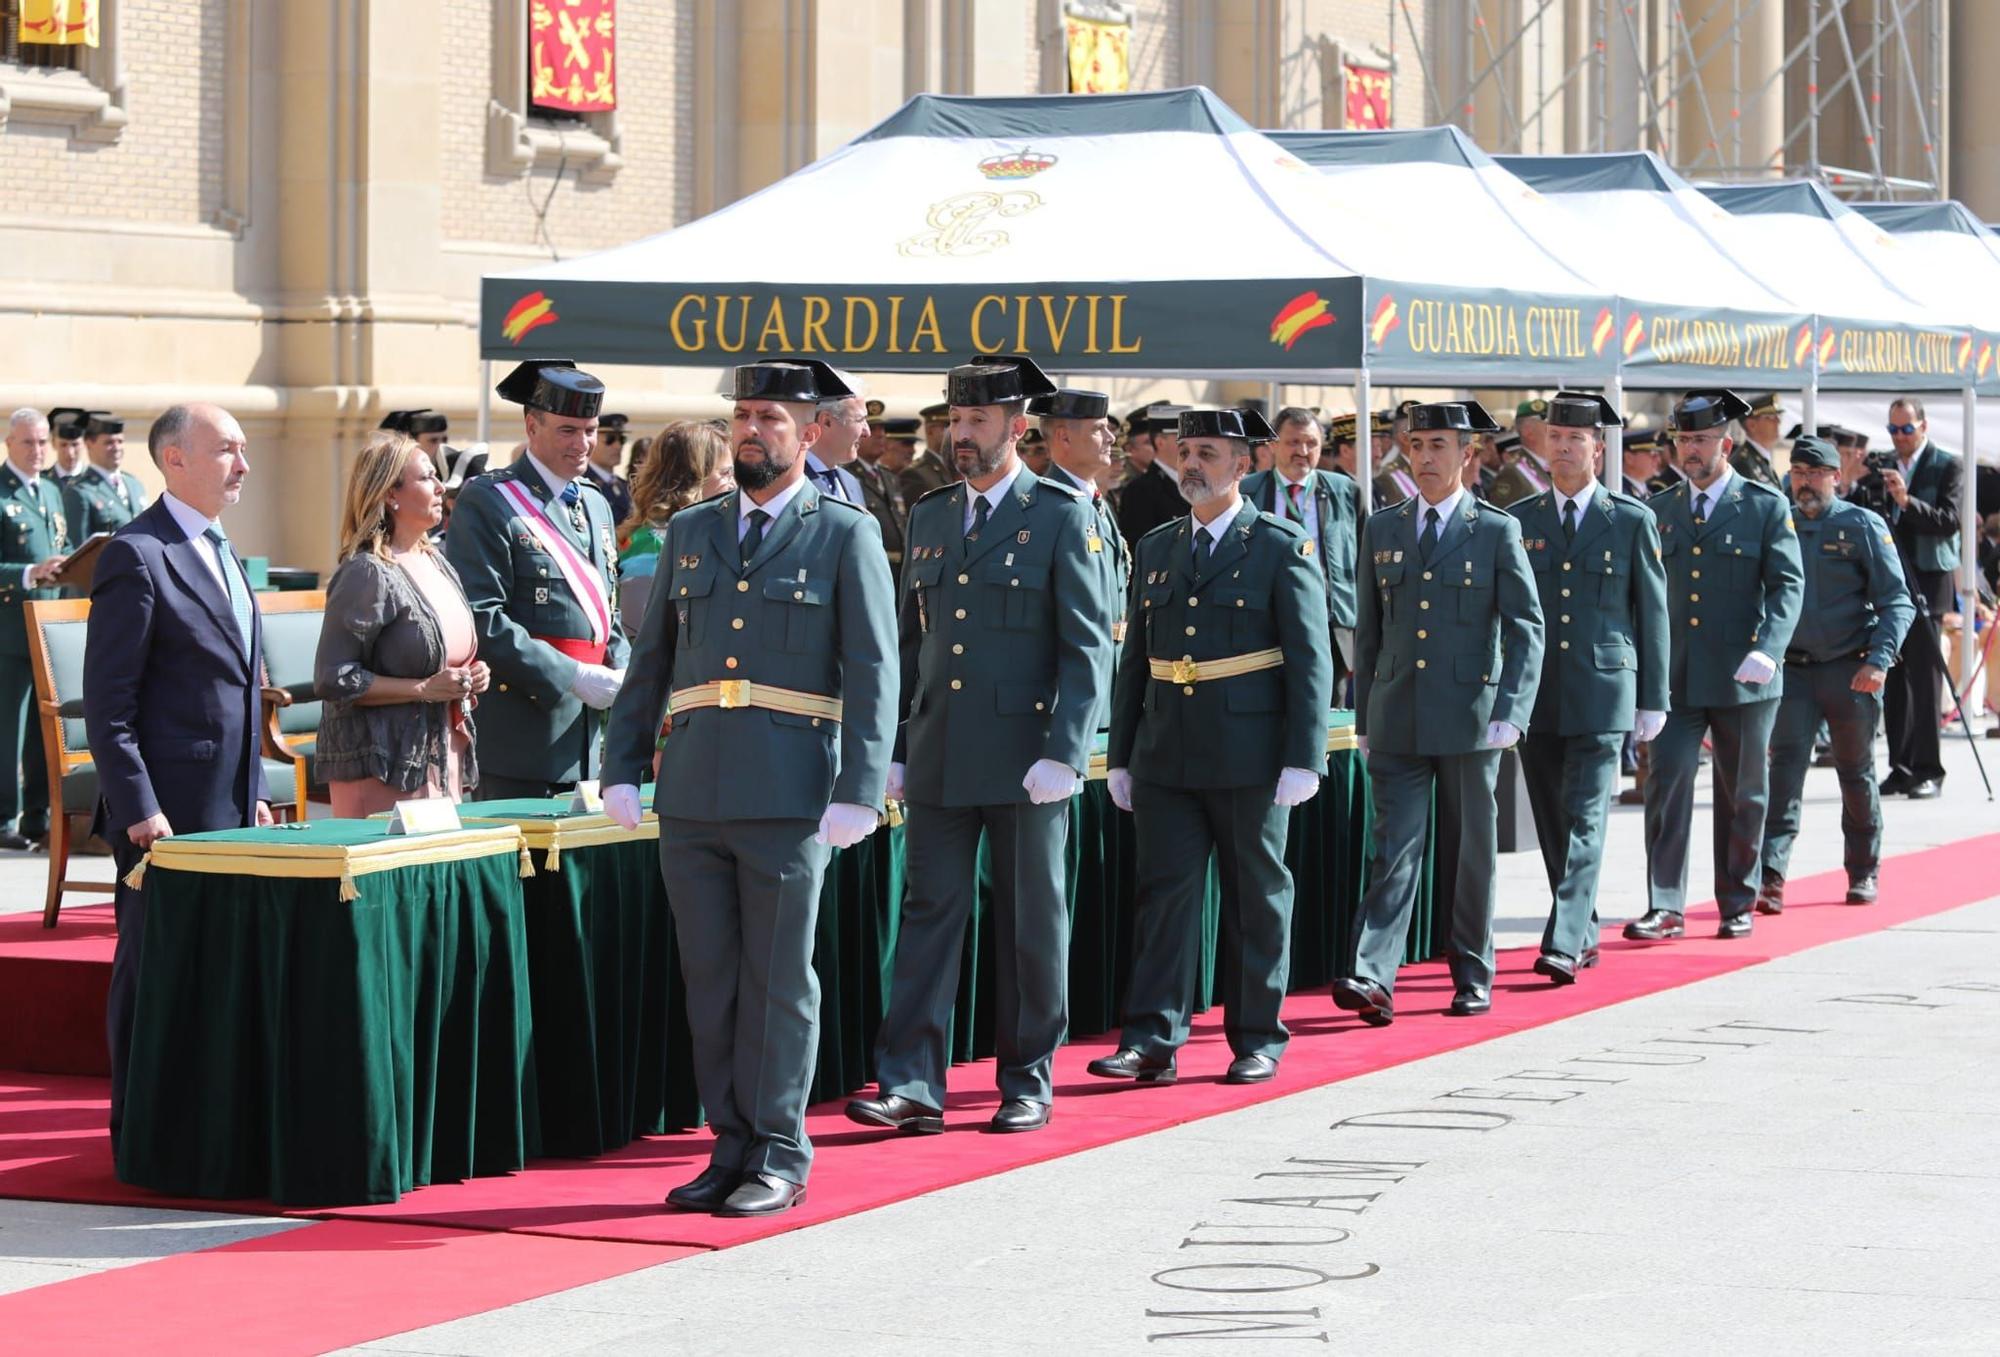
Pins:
x: 535, y: 546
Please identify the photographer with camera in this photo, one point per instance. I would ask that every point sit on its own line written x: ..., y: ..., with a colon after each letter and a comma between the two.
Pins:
x: 1916, y: 489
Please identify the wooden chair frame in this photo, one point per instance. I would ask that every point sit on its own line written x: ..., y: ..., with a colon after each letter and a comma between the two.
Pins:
x: 60, y: 758
x: 277, y: 745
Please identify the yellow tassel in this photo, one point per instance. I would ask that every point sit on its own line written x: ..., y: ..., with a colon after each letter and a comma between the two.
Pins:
x: 527, y: 862
x: 136, y: 878
x: 348, y: 890
x: 554, y: 855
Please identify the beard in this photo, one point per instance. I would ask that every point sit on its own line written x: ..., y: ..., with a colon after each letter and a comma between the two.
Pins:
x: 1811, y: 503
x: 1195, y: 489
x: 975, y: 461
x: 756, y: 475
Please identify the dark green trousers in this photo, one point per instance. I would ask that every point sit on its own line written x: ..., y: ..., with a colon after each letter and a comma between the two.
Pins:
x: 1403, y: 785
x: 1571, y: 780
x: 1816, y: 692
x: 1025, y: 844
x: 24, y: 771
x: 1741, y: 737
x: 1175, y: 828
x: 745, y: 899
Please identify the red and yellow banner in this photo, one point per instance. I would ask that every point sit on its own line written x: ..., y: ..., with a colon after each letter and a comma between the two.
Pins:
x: 1367, y: 97
x: 59, y: 23
x: 1100, y: 55
x: 572, y: 45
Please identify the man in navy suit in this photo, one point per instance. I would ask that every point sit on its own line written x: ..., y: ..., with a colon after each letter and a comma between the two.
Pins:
x: 170, y: 686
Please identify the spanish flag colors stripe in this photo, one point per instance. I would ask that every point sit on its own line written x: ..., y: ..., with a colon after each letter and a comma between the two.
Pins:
x: 1384, y: 320
x: 1600, y: 333
x: 1802, y: 346
x: 1307, y: 311
x: 530, y: 313
x: 1826, y: 347
x: 1635, y: 331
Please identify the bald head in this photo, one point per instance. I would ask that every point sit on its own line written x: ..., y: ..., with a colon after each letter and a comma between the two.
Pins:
x: 202, y: 454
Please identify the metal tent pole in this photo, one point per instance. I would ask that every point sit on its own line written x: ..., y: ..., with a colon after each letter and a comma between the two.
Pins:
x: 1614, y: 437
x: 1968, y: 532
x: 485, y: 401
x: 1364, y: 442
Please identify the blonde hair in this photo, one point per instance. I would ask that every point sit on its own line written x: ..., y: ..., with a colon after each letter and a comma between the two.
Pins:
x: 378, y: 471
x: 682, y: 459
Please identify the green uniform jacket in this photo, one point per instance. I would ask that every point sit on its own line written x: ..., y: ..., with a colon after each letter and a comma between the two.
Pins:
x: 814, y: 612
x: 1604, y: 613
x: 1006, y: 642
x: 1339, y: 507
x: 1747, y: 459
x: 926, y: 472
x: 532, y: 728
x: 1733, y: 586
x: 1117, y: 553
x: 32, y: 529
x: 1520, y: 479
x: 1444, y: 649
x: 1259, y: 588
x: 91, y: 503
x: 1857, y: 603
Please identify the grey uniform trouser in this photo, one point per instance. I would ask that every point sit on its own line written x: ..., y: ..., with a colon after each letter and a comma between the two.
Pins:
x: 745, y: 901
x: 1025, y: 844
x: 1741, y: 737
x: 1816, y: 692
x: 1571, y: 780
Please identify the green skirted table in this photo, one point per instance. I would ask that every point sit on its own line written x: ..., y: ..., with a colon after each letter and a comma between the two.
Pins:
x: 329, y: 1014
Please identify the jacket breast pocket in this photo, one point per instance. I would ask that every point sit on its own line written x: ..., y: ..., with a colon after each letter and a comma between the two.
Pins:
x: 1020, y: 594
x: 540, y: 592
x: 1746, y: 562
x: 1479, y: 669
x: 1249, y: 614
x: 1613, y: 581
x: 795, y: 614
x: 1472, y: 582
x: 690, y: 591
x: 1388, y: 583
x: 1614, y: 655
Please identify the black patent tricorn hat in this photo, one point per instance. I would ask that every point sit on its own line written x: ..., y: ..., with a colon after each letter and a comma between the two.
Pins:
x: 553, y: 385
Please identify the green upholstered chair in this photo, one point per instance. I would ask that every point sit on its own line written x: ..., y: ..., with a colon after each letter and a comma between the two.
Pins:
x: 292, y: 624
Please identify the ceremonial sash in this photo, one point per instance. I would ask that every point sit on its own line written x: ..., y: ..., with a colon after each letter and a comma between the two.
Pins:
x: 577, y: 571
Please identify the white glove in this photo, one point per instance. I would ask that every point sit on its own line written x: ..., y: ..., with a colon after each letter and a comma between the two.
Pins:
x: 1296, y: 786
x: 1049, y: 781
x: 1361, y: 747
x: 1119, y: 783
x: 846, y: 824
x: 1502, y: 735
x: 596, y: 686
x: 894, y: 791
x: 621, y: 803
x: 1651, y: 723
x: 1757, y: 668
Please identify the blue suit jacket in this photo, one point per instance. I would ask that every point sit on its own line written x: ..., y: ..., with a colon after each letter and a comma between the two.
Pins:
x: 850, y: 484
x: 170, y: 702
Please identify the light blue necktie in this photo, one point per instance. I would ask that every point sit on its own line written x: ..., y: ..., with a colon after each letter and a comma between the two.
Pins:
x: 239, y: 591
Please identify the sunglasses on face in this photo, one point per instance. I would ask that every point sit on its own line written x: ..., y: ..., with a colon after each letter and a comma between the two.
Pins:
x: 1904, y: 429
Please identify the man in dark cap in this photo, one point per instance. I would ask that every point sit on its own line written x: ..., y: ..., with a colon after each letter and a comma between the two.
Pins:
x: 1596, y: 560
x: 764, y: 683
x: 1079, y: 442
x: 929, y: 469
x: 1393, y: 482
x: 1153, y: 496
x: 1034, y: 450
x: 1527, y: 472
x: 535, y: 547
x: 1218, y: 730
x: 606, y: 454
x: 1733, y: 588
x: 67, y: 429
x: 103, y: 497
x: 1756, y: 456
x: 1855, y: 613
x: 1327, y: 504
x: 1639, y: 452
x: 1006, y: 650
x: 1448, y: 655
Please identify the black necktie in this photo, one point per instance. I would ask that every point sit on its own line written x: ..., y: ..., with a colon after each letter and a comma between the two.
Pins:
x: 979, y: 511
x: 1569, y: 521
x: 1428, y: 542
x: 754, y: 537
x: 1701, y: 508
x: 832, y: 480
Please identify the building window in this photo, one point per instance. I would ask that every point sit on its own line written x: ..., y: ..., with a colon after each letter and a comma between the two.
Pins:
x: 35, y: 56
x: 81, y: 88
x: 521, y: 137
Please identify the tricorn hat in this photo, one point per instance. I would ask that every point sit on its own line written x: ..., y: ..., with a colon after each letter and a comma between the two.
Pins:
x: 67, y: 422
x: 1068, y: 403
x: 1247, y: 425
x: 1708, y: 409
x: 1582, y: 410
x: 798, y: 381
x: 101, y: 423
x: 553, y: 385
x: 1465, y: 416
x: 996, y: 379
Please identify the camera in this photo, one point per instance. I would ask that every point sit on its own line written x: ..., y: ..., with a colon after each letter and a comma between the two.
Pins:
x: 1870, y: 491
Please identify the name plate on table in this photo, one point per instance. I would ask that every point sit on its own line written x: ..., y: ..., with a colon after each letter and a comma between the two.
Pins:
x: 587, y: 799
x: 427, y: 815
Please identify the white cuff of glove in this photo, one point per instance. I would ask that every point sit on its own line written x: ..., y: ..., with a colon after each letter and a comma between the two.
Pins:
x: 596, y: 686
x: 1296, y: 786
x: 894, y: 790
x: 1651, y: 723
x: 1048, y: 781
x: 621, y: 803
x: 1118, y: 782
x: 1502, y: 735
x: 1757, y: 668
x: 846, y: 824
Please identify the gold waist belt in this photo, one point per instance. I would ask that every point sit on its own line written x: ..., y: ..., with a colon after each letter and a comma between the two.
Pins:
x: 732, y: 693
x: 1189, y: 670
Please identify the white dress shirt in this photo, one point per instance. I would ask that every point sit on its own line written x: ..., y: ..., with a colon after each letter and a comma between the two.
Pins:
x: 745, y: 506
x: 195, y: 525
x: 1581, y: 499
x: 555, y: 483
x: 993, y: 495
x: 1308, y: 502
x: 1446, y: 509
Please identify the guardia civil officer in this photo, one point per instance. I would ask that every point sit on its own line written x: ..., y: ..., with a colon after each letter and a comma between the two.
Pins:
x: 67, y: 427
x: 1733, y: 590
x: 1006, y: 651
x: 1527, y: 472
x: 1218, y: 729
x: 34, y: 541
x: 535, y: 548
x: 1448, y: 654
x: 1755, y: 456
x: 103, y: 497
x: 1856, y: 611
x: 928, y: 470
x: 771, y: 641
x: 1327, y: 504
x: 1153, y: 496
x: 1596, y: 558
x: 1078, y: 431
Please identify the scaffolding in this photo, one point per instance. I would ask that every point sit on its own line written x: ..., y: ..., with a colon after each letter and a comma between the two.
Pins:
x: 1851, y: 92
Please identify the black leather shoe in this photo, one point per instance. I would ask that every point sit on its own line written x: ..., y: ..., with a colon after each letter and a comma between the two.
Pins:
x: 707, y: 1192
x: 1020, y: 1114
x: 1130, y: 1064
x: 1470, y: 1002
x: 1925, y: 790
x: 14, y: 842
x: 1862, y: 890
x: 1894, y: 785
x: 1735, y: 926
x: 1557, y: 967
x: 1365, y: 997
x: 1251, y: 1069
x: 897, y: 1113
x: 762, y: 1194
x: 1656, y: 925
x: 1771, y: 896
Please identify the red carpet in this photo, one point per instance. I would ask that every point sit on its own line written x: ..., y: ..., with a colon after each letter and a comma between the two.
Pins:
x: 308, y: 1290
x: 53, y: 983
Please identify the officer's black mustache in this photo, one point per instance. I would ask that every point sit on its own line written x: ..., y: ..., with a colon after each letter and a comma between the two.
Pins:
x: 753, y: 444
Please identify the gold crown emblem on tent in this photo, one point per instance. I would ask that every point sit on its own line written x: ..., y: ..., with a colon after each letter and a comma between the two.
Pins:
x: 1021, y: 164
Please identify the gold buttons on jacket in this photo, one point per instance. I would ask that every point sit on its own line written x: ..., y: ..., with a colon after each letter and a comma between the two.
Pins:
x: 736, y: 624
x: 956, y: 684
x: 1040, y: 706
x: 1565, y: 593
x: 1423, y: 603
x: 742, y: 587
x: 1190, y: 631
x: 1694, y: 574
x: 1422, y: 664
x: 1188, y: 691
x: 1694, y: 598
x: 965, y: 579
x: 1427, y: 574
x: 957, y: 649
x: 1694, y: 621
x: 1423, y: 635
x: 503, y: 687
x: 1193, y: 601
x: 729, y: 663
x: 1565, y: 617
x: 959, y: 614
x: 1565, y: 645
x: 1566, y: 565
x: 1697, y: 551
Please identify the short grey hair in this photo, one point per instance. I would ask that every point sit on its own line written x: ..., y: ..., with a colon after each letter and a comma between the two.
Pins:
x: 28, y: 415
x: 168, y: 430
